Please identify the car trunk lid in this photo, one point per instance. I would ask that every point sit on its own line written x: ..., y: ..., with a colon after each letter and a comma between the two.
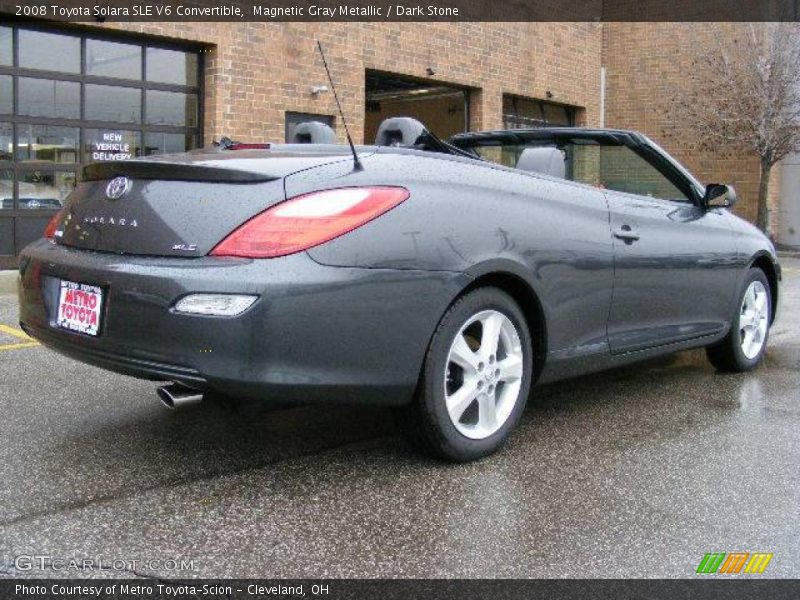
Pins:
x: 176, y: 206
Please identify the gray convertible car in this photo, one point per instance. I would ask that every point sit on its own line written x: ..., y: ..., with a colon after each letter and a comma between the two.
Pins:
x: 441, y: 278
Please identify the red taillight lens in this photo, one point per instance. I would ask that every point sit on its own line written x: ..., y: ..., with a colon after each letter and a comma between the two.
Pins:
x: 309, y: 220
x: 52, y: 225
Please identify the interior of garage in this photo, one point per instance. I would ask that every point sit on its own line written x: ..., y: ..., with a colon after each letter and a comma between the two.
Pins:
x: 443, y: 108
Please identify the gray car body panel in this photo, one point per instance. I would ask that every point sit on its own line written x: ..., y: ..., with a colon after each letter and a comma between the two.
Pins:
x: 473, y: 235
x: 351, y: 319
x: 316, y: 333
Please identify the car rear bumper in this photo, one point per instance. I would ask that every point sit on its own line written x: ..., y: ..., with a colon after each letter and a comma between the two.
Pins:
x: 316, y: 333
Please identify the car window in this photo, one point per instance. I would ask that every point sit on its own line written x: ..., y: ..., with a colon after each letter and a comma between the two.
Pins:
x: 620, y: 169
x: 587, y: 161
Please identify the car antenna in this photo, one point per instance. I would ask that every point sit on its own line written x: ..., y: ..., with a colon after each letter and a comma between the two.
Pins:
x: 357, y: 166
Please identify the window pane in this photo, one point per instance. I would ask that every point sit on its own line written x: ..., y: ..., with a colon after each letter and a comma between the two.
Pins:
x: 522, y: 112
x: 623, y: 170
x: 6, y: 232
x: 585, y: 164
x: 6, y: 57
x: 6, y: 189
x: 49, y: 98
x: 6, y: 94
x: 46, y: 142
x: 107, y: 144
x: 165, y: 143
x: 6, y: 141
x: 110, y: 59
x: 44, y: 189
x: 39, y: 50
x: 110, y: 103
x: 171, y: 66
x: 555, y: 115
x: 171, y: 108
x: 525, y: 112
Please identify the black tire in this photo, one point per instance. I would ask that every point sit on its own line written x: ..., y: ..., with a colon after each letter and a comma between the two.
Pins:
x: 426, y: 421
x: 728, y: 356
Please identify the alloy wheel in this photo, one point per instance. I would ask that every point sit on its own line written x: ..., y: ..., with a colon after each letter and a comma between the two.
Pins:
x: 483, y: 374
x: 754, y: 319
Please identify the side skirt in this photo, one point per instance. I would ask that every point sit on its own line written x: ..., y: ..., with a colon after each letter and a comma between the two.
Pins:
x: 565, y: 364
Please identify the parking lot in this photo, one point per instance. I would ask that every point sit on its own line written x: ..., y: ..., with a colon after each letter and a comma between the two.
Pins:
x: 636, y: 472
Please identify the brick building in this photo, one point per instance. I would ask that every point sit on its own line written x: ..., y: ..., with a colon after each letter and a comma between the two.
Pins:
x: 71, y: 94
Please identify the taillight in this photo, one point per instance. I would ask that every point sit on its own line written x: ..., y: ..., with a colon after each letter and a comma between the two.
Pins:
x: 309, y: 220
x: 52, y: 225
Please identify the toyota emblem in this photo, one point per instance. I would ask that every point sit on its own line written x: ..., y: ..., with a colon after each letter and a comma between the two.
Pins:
x: 118, y: 187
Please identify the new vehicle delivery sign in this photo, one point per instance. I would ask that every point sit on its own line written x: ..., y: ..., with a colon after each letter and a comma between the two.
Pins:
x: 111, y: 145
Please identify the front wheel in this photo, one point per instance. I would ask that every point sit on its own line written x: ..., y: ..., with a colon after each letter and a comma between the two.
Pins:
x: 746, y: 342
x: 476, y: 378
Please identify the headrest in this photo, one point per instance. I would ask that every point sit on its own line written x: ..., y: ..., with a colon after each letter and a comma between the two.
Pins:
x: 547, y: 160
x: 400, y: 131
x: 313, y: 132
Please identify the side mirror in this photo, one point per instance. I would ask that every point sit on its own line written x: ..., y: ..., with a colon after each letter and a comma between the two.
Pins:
x: 719, y: 195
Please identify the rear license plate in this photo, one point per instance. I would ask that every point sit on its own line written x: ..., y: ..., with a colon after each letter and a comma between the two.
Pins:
x: 80, y: 307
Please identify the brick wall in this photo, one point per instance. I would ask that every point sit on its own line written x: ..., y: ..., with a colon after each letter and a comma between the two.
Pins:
x: 256, y: 71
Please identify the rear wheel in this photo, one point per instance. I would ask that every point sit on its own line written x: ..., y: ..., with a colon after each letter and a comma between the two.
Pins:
x: 475, y: 381
x: 746, y: 342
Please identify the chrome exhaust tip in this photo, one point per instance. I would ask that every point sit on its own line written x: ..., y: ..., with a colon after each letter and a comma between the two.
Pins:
x: 175, y: 395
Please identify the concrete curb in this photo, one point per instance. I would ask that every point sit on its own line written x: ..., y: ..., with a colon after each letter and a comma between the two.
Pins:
x: 8, y: 281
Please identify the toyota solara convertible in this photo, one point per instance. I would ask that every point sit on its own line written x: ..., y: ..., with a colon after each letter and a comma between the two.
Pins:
x: 441, y: 278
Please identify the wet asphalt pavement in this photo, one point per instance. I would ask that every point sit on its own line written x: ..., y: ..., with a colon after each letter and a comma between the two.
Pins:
x: 637, y: 472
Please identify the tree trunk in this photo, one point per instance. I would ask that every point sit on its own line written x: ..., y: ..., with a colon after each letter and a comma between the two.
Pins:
x: 763, y: 196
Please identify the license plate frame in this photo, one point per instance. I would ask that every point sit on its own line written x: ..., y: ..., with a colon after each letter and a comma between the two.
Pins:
x: 80, y: 307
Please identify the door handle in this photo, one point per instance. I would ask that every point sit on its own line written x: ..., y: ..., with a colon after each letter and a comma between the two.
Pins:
x: 626, y: 234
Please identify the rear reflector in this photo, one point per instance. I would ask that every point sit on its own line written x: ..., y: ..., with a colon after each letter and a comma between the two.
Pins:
x: 309, y: 220
x: 218, y: 305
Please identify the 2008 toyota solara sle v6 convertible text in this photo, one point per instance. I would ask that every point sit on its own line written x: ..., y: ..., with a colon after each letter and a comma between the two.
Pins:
x: 441, y: 278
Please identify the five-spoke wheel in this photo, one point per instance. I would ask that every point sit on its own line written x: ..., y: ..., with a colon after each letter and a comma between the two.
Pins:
x: 754, y: 319
x: 483, y: 374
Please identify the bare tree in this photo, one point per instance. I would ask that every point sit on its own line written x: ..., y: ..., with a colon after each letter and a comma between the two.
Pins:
x: 744, y: 93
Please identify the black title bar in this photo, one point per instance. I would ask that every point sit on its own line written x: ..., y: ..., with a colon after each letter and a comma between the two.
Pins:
x: 700, y: 588
x: 404, y: 10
